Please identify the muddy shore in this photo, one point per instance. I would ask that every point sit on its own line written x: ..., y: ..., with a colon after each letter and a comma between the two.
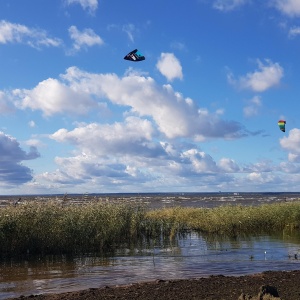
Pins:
x: 218, y: 287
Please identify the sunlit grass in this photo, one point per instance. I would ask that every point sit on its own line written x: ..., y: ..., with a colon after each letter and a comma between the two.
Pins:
x: 232, y: 220
x: 51, y: 228
x: 43, y: 228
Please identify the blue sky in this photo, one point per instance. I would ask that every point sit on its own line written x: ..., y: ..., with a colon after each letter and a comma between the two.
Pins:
x: 199, y: 114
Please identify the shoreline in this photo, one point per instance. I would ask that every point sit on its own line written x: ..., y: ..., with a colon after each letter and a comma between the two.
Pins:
x: 213, y: 287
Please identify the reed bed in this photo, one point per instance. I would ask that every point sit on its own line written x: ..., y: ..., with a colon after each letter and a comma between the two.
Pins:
x: 53, y: 228
x: 50, y: 228
x: 232, y: 220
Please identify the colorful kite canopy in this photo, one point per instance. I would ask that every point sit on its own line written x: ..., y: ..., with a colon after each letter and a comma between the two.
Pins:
x: 281, y: 124
x: 135, y: 55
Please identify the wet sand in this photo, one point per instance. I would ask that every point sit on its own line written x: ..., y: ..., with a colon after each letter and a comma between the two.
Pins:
x: 212, y: 288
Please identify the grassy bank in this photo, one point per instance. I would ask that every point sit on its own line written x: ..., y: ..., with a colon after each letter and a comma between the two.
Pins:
x: 50, y: 228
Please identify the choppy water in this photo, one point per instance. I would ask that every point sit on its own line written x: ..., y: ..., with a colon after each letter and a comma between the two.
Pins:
x: 157, y: 200
x: 192, y: 256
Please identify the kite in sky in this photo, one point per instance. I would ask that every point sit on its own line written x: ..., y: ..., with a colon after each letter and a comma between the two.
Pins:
x: 281, y: 124
x: 135, y: 55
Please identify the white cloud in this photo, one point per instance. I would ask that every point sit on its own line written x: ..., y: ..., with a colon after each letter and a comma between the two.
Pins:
x: 61, y: 178
x: 132, y: 136
x: 292, y: 166
x: 262, y: 166
x: 31, y: 124
x: 90, y: 5
x: 169, y: 66
x: 174, y: 115
x: 130, y: 30
x: 291, y: 143
x: 17, y: 33
x: 294, y: 31
x: 85, y: 38
x: 35, y: 143
x: 252, y: 109
x: 132, y: 151
x: 268, y: 75
x: 53, y: 97
x: 290, y: 8
x: 262, y: 178
x: 228, y: 165
x: 227, y: 5
x: 293, y: 157
x: 109, y: 157
x: 97, y: 171
x: 201, y: 162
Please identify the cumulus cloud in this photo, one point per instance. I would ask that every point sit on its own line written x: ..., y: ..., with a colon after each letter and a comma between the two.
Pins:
x: 78, y: 92
x: 291, y: 143
x: 60, y: 177
x: 262, y: 166
x: 116, y: 153
x: 111, y: 159
x: 90, y: 5
x: 201, y: 161
x: 99, y: 171
x: 85, y: 38
x: 268, y: 75
x: 290, y: 8
x: 134, y: 136
x: 228, y: 165
x: 169, y: 66
x: 174, y: 115
x: 12, y: 171
x: 17, y: 33
x: 263, y: 178
x: 143, y: 147
x: 53, y: 97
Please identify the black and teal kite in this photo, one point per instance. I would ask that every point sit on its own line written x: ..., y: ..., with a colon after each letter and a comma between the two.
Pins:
x: 135, y: 55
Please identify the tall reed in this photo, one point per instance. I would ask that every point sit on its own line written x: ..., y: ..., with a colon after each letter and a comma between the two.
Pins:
x: 41, y: 228
x: 233, y: 219
x: 50, y: 228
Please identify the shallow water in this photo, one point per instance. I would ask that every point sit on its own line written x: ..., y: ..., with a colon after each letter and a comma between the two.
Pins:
x: 189, y: 257
x: 192, y: 256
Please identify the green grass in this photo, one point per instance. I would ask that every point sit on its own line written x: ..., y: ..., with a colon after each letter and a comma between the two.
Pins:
x: 50, y: 228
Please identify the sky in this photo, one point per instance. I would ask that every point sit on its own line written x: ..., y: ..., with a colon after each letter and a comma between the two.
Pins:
x: 199, y: 114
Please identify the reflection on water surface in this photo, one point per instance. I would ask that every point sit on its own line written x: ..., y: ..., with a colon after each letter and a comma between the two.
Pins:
x: 192, y: 256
